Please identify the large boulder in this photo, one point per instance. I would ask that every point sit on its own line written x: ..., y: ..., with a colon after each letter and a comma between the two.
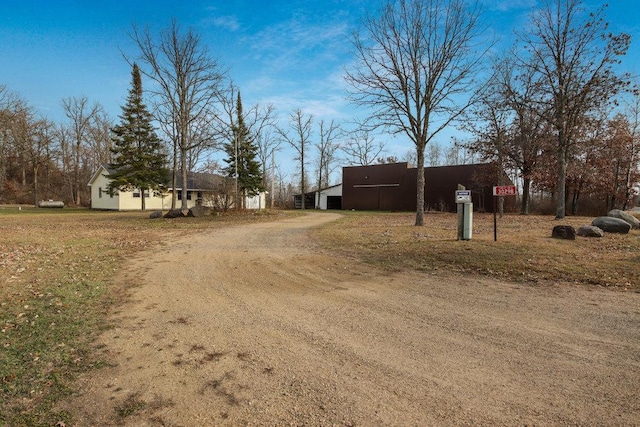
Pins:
x: 566, y: 232
x: 176, y: 213
x: 155, y: 215
x: 632, y: 220
x: 590, y: 231
x: 610, y: 224
x: 198, y: 211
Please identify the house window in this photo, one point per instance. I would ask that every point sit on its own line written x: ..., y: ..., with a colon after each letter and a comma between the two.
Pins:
x: 100, y: 192
x: 180, y: 195
x: 136, y: 193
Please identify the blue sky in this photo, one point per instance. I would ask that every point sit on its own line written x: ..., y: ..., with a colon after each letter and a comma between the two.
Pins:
x: 290, y: 53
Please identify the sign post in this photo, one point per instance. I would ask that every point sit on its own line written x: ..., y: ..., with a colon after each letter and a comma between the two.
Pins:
x: 500, y: 191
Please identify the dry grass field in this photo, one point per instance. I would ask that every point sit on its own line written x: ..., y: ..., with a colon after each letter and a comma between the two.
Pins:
x: 524, y: 250
x: 56, y: 269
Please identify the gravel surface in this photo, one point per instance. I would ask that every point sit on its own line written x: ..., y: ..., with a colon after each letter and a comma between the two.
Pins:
x: 253, y: 325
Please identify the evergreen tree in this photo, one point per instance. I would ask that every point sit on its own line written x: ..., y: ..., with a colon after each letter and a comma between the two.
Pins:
x: 139, y: 161
x: 242, y: 154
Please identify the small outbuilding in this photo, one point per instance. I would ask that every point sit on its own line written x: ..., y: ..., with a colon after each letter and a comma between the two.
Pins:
x: 329, y: 198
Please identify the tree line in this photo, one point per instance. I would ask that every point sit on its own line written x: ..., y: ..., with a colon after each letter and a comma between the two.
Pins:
x: 554, y: 111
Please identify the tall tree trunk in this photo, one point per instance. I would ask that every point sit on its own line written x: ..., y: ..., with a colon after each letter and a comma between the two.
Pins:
x: 574, y: 202
x: 303, y: 183
x: 273, y: 180
x: 76, y: 174
x: 183, y: 163
x: 560, y: 187
x: 142, y: 201
x: 526, y: 196
x: 174, y: 177
x: 420, y: 185
x: 35, y: 185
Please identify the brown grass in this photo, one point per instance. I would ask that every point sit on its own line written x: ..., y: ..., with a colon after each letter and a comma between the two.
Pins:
x: 524, y: 250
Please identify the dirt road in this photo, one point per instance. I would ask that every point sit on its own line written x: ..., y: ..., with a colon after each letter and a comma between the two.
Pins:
x: 253, y: 325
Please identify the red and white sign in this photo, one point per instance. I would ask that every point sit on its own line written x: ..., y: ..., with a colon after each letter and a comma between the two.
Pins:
x: 505, y: 190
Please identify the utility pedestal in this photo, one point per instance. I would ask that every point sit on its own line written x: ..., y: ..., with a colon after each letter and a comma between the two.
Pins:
x: 465, y: 214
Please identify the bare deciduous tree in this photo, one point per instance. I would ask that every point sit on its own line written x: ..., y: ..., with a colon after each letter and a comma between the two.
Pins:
x: 633, y: 114
x: 326, y: 147
x: 81, y: 116
x: 298, y: 136
x: 261, y: 120
x: 10, y: 104
x: 189, y: 84
x: 434, y: 154
x: 361, y: 148
x: 268, y: 145
x: 100, y: 139
x: 415, y: 69
x: 571, y: 53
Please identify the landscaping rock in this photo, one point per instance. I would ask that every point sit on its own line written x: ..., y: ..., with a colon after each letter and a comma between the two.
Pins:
x: 175, y: 213
x: 566, y: 232
x: 609, y: 224
x: 633, y: 221
x: 155, y: 215
x: 590, y: 231
x: 198, y: 211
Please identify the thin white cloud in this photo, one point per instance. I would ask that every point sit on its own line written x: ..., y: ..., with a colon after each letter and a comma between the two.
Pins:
x: 298, y: 64
x: 299, y: 42
x: 507, y: 5
x: 227, y: 22
x: 319, y: 108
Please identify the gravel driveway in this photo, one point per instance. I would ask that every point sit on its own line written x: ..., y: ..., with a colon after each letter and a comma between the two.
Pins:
x: 253, y: 325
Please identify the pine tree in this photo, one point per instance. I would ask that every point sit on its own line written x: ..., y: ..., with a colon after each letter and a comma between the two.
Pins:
x: 139, y: 161
x: 242, y: 154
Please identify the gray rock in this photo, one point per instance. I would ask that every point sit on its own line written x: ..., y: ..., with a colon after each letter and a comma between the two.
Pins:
x: 198, y: 211
x: 632, y: 220
x: 175, y: 213
x: 566, y: 232
x: 590, y: 231
x: 155, y: 215
x: 609, y: 224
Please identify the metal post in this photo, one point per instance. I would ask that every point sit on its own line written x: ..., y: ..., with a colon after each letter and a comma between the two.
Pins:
x: 495, y: 221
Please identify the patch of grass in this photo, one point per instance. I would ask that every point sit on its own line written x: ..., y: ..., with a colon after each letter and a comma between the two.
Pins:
x: 130, y: 406
x: 523, y: 252
x: 56, y: 270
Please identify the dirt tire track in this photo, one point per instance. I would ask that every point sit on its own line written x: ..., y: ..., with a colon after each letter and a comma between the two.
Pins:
x: 253, y: 325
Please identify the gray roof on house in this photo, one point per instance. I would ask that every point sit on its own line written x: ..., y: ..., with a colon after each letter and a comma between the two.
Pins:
x: 196, y: 181
x: 201, y: 181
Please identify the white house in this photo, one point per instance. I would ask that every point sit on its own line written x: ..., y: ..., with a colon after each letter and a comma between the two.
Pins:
x: 202, y: 189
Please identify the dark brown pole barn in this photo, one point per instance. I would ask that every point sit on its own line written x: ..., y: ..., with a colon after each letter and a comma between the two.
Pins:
x: 392, y: 187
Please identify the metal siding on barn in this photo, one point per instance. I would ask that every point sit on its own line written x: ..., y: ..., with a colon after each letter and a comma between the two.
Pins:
x: 393, y: 187
x: 376, y: 187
